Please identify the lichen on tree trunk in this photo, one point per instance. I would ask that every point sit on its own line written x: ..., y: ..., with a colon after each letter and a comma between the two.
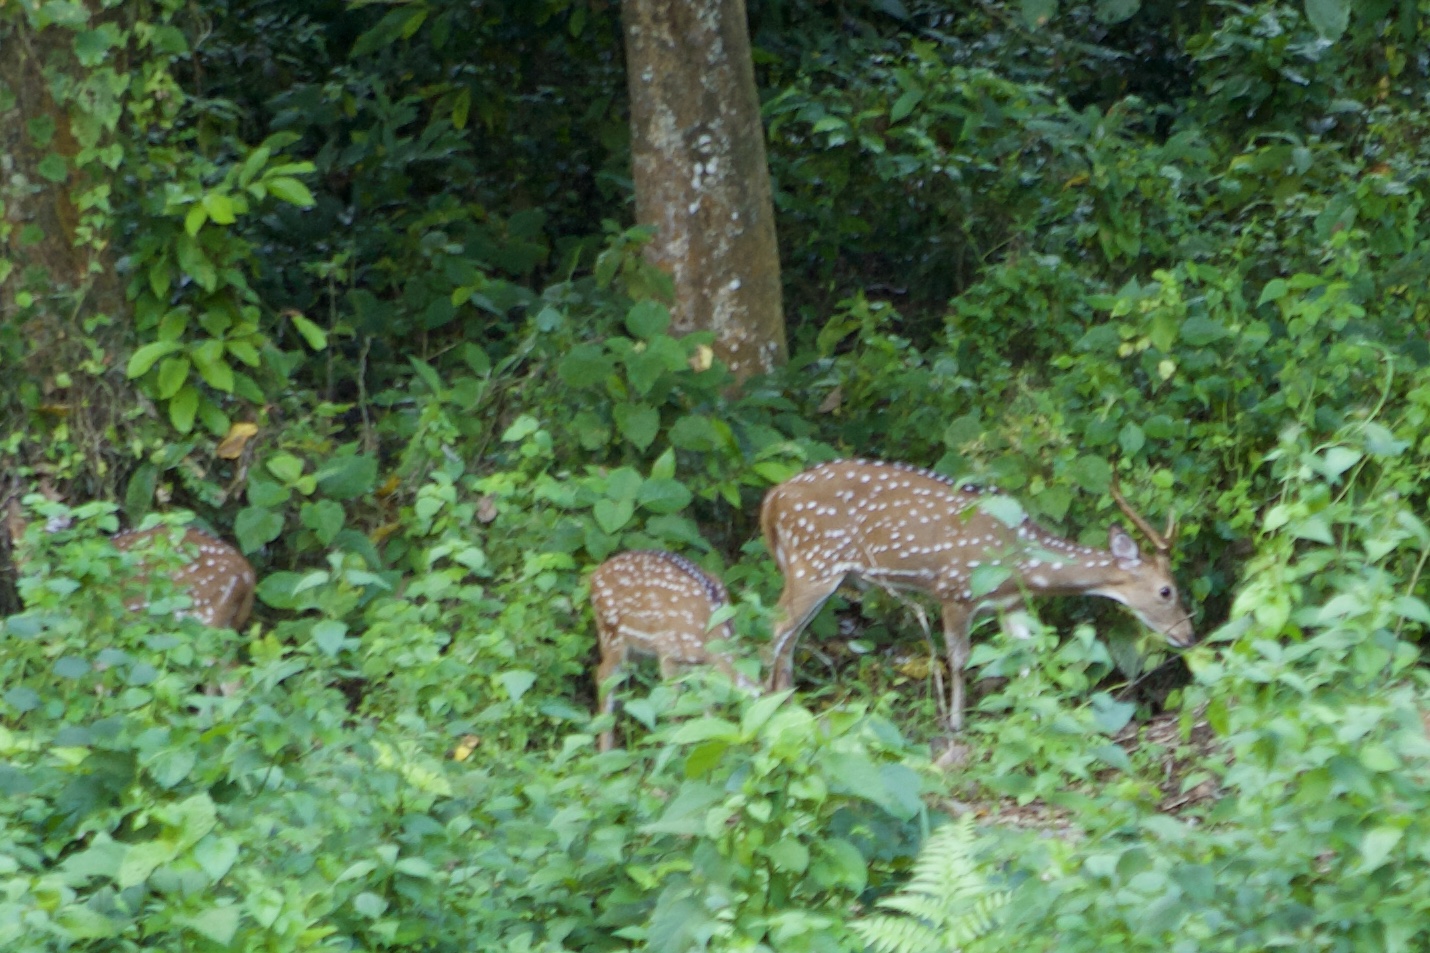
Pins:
x: 698, y: 158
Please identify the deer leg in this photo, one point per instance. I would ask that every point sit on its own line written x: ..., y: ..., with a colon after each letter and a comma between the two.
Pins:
x: 956, y: 619
x: 798, y: 604
x: 605, y: 701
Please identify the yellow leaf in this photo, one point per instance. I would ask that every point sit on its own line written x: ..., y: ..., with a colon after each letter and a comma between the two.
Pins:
x: 237, y: 438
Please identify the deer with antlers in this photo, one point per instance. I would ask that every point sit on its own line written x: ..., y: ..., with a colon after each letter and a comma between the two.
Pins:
x: 902, y: 528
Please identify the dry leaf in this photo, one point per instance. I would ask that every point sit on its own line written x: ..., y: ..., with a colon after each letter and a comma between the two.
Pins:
x: 389, y: 486
x: 231, y: 447
x: 465, y: 746
x: 487, y: 508
x: 832, y: 401
x: 702, y: 358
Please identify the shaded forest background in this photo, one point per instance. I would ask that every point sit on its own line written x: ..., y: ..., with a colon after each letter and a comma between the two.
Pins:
x: 360, y: 285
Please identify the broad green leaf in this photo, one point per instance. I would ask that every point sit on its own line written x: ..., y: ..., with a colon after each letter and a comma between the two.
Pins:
x: 329, y: 635
x: 216, y: 855
x: 1329, y: 17
x: 694, y: 432
x: 517, y: 682
x: 1275, y: 290
x: 217, y: 923
x: 521, y: 428
x: 215, y: 372
x: 144, y: 358
x: 612, y: 515
x: 758, y: 713
x: 255, y: 162
x: 196, y: 218
x: 219, y: 207
x: 905, y: 104
x: 1337, y: 460
x: 183, y: 407
x: 1093, y: 474
x: 1131, y: 439
x: 585, y: 365
x: 92, y: 46
x: 646, y: 319
x: 1111, y: 716
x: 53, y: 168
x: 789, y: 854
x: 661, y: 495
x: 285, y: 467
x: 71, y: 667
x: 1004, y: 509
x: 1115, y: 11
x: 1199, y: 331
x: 195, y: 263
x: 289, y: 190
x: 986, y: 578
x: 348, y: 477
x: 316, y: 337
x: 141, y: 859
x: 664, y: 466
x: 705, y: 757
x: 173, y: 373
x: 256, y: 526
x: 324, y: 517
x: 1376, y: 846
x: 638, y: 423
x: 685, y: 813
x: 1039, y: 12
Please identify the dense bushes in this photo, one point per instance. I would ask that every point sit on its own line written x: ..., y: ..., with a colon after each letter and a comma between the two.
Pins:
x: 477, y: 400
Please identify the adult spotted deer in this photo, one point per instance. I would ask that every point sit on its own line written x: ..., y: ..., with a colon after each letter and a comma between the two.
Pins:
x: 652, y: 602
x: 900, y: 527
x: 218, y: 580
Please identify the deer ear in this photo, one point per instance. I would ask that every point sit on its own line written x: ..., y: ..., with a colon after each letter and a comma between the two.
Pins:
x: 1122, y: 545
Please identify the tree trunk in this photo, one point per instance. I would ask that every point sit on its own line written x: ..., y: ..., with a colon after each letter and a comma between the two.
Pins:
x: 698, y: 157
x: 59, y: 295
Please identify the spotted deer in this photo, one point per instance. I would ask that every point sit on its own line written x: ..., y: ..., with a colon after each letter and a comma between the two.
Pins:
x: 902, y: 528
x: 652, y: 602
x: 218, y: 580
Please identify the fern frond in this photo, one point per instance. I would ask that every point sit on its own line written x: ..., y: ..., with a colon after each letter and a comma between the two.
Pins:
x: 946, y: 903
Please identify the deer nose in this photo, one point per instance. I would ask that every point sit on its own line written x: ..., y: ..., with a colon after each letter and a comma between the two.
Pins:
x: 1182, y: 635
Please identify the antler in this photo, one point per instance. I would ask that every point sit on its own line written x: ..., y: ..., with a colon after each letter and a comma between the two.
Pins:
x: 1162, y: 542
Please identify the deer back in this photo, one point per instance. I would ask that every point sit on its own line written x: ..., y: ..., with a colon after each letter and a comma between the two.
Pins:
x: 657, y: 603
x: 216, y: 577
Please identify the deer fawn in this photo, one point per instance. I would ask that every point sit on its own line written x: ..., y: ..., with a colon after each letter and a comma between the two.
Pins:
x: 217, y: 579
x: 900, y: 527
x: 656, y: 603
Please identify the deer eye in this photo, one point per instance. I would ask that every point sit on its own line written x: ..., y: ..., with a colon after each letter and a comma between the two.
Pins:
x: 1166, y: 592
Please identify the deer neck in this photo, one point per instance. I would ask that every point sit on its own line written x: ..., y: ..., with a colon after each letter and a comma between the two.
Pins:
x: 1054, y: 566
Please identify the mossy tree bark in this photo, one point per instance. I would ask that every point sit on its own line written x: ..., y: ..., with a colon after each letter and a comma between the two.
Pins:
x: 59, y: 295
x: 698, y: 157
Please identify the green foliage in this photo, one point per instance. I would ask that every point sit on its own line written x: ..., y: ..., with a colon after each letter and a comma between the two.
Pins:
x: 946, y: 903
x: 1013, y: 250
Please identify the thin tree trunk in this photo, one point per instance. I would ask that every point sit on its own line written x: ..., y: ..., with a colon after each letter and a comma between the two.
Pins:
x: 698, y: 157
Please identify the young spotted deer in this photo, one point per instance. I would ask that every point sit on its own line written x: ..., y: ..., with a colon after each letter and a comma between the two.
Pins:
x: 652, y: 602
x: 900, y: 527
x: 218, y: 580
